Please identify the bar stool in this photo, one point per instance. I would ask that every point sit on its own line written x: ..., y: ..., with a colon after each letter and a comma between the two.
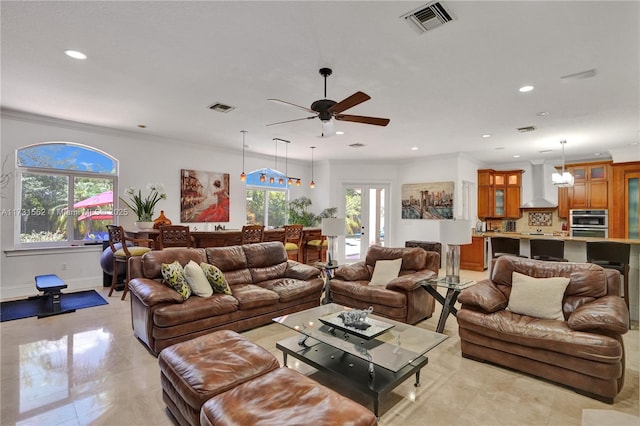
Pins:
x: 611, y: 255
x: 501, y: 246
x: 544, y: 249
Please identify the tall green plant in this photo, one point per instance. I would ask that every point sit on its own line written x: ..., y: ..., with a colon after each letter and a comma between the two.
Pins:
x: 299, y: 213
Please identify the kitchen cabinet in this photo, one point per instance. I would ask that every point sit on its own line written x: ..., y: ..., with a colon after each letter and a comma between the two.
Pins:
x: 499, y: 193
x: 591, y: 186
x: 472, y: 256
x: 624, y: 218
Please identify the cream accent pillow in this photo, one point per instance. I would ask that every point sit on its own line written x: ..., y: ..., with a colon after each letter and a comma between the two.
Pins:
x: 197, y: 280
x: 537, y: 297
x: 385, y: 271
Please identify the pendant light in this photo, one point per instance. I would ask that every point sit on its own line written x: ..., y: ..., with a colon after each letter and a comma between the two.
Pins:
x: 286, y: 165
x: 564, y: 179
x: 243, y: 176
x: 275, y: 167
x: 312, y: 184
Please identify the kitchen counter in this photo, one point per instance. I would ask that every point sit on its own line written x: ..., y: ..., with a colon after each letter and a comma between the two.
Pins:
x: 554, y: 235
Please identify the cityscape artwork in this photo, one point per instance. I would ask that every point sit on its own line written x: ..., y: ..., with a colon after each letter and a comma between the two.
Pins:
x: 427, y: 200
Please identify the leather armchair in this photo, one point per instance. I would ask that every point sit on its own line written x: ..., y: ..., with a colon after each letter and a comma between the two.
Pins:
x: 403, y: 298
x: 584, y: 352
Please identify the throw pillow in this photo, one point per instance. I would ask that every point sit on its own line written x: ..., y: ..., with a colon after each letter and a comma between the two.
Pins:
x: 385, y: 270
x: 537, y: 297
x: 216, y: 278
x: 197, y: 280
x: 173, y: 276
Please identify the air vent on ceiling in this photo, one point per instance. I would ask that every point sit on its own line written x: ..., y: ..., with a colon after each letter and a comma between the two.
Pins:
x: 427, y: 17
x: 526, y: 129
x: 221, y: 107
x: 357, y: 145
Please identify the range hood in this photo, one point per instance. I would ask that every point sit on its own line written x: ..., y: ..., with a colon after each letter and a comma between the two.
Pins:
x: 538, y: 201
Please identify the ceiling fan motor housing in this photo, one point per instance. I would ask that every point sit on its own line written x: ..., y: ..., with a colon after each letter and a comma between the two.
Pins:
x: 321, y: 107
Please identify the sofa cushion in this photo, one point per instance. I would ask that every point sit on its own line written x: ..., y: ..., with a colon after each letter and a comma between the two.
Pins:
x: 173, y: 276
x: 289, y: 289
x: 215, y: 278
x: 193, y: 309
x: 413, y: 258
x: 196, y: 279
x: 537, y: 297
x: 251, y: 296
x: 369, y: 294
x: 385, y: 271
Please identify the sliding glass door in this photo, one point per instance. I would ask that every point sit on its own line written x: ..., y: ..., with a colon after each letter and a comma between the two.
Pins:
x: 366, y: 221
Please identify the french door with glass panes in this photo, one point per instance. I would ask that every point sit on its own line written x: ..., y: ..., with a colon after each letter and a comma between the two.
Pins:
x: 366, y: 218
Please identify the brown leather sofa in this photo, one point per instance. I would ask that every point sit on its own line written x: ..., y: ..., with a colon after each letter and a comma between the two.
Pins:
x: 584, y: 352
x: 263, y: 282
x: 402, y: 299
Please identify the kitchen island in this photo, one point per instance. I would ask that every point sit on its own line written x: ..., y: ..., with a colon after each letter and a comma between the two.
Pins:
x: 575, y: 250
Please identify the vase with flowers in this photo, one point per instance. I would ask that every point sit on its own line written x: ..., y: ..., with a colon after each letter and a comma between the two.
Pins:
x: 143, y: 207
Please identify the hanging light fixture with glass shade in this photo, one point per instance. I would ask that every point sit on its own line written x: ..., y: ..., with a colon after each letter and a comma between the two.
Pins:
x: 272, y: 176
x: 564, y: 179
x: 312, y: 184
x: 243, y: 176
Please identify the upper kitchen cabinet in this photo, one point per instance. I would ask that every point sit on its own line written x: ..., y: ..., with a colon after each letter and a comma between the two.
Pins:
x: 499, y: 193
x: 590, y: 190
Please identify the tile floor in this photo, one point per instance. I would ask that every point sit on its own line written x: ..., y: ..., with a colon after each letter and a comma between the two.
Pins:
x: 87, y: 368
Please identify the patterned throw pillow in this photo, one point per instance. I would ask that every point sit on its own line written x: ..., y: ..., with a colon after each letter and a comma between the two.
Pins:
x: 216, y: 278
x: 173, y: 276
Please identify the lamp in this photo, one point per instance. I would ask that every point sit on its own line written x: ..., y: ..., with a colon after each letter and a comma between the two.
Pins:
x: 312, y: 184
x: 564, y: 179
x: 454, y: 233
x: 243, y: 176
x: 332, y: 227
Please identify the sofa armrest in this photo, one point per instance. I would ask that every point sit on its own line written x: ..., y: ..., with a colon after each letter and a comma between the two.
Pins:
x: 151, y: 292
x: 410, y: 282
x: 301, y: 271
x: 608, y: 313
x: 355, y: 272
x: 485, y: 295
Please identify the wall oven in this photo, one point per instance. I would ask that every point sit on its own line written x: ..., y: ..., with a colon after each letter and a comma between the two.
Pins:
x: 589, y: 223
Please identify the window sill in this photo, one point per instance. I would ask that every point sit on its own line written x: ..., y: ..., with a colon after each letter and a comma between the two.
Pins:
x: 40, y: 251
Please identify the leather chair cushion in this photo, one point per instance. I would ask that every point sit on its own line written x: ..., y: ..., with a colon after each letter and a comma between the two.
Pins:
x: 251, y: 296
x: 369, y: 294
x: 206, y: 366
x: 283, y: 396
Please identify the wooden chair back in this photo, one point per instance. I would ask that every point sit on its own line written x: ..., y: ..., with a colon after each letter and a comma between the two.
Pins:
x: 174, y: 236
x: 252, y: 234
x: 293, y: 241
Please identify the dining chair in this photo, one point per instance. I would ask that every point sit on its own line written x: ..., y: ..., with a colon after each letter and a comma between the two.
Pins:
x: 314, y: 246
x: 612, y: 255
x: 174, y: 236
x: 122, y: 252
x: 293, y: 241
x: 547, y: 249
x: 252, y: 234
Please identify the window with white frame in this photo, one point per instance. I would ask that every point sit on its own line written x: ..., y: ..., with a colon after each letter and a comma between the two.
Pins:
x: 267, y: 198
x: 64, y: 194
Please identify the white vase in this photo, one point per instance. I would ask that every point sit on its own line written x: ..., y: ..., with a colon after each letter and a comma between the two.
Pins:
x: 144, y: 226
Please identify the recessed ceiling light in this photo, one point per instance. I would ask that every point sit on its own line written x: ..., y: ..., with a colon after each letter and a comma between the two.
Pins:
x: 633, y: 143
x: 414, y: 148
x: 542, y: 114
x: 525, y: 89
x: 499, y: 148
x: 339, y: 132
x: 597, y: 154
x: 516, y: 156
x: 75, y: 54
x: 486, y: 135
x: 545, y: 151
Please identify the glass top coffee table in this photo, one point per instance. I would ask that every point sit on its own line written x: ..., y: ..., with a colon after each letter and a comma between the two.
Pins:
x: 375, y: 360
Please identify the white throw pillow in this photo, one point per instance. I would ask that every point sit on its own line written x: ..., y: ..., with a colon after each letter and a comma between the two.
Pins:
x: 385, y: 270
x: 537, y: 297
x: 197, y: 280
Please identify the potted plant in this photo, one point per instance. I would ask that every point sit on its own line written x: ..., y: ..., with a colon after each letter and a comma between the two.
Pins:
x: 299, y: 214
x: 144, y: 207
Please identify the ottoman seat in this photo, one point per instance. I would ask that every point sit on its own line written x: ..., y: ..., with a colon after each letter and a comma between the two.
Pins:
x: 292, y: 399
x: 196, y: 370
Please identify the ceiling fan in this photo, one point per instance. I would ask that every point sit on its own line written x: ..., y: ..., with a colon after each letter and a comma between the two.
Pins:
x: 326, y: 109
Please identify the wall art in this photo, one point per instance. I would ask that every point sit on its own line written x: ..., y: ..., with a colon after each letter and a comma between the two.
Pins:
x: 427, y: 200
x: 204, y: 196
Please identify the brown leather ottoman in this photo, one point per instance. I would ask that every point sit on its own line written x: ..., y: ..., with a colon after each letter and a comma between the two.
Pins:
x: 283, y: 397
x: 196, y: 370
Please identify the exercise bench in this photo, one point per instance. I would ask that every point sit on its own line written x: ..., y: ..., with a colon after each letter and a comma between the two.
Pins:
x: 51, y: 285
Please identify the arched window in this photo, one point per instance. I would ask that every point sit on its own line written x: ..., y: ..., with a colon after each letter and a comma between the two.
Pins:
x: 64, y: 194
x: 267, y: 202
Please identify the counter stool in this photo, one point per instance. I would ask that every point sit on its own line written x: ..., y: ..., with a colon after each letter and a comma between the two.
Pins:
x: 501, y: 246
x: 611, y: 255
x: 545, y: 249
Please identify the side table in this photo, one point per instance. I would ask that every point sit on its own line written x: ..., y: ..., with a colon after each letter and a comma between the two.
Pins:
x: 327, y: 271
x: 448, y: 301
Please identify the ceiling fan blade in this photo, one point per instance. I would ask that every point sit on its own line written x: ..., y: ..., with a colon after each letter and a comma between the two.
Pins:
x: 289, y: 121
x: 362, y: 119
x: 289, y: 104
x: 350, y: 102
